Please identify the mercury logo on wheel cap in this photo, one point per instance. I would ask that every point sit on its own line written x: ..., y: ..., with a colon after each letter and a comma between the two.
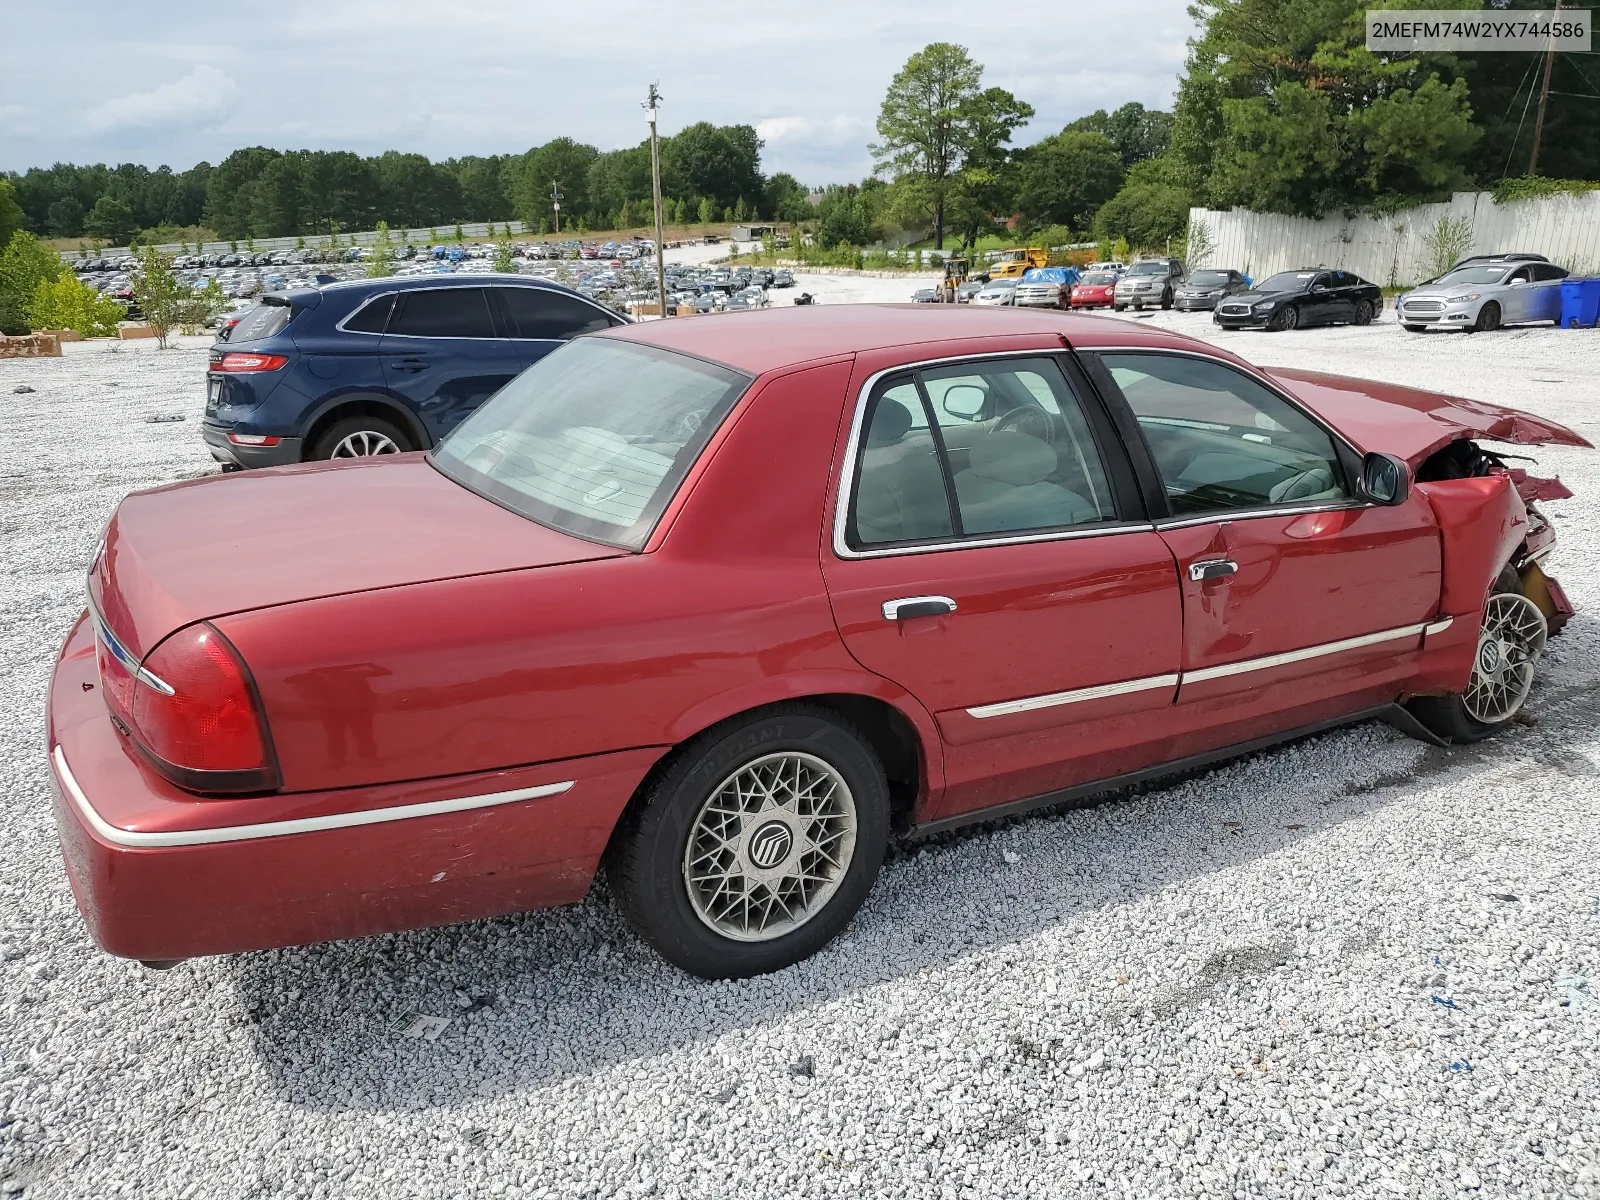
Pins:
x: 770, y: 845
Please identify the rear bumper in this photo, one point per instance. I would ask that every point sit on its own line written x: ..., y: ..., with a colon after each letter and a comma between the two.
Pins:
x: 160, y: 874
x: 288, y: 450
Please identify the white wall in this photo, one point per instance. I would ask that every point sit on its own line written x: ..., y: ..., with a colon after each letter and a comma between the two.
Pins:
x: 1393, y: 251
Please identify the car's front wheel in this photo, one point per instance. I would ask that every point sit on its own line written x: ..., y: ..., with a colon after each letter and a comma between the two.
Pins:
x: 1488, y: 318
x: 756, y: 843
x: 1287, y: 317
x: 1363, y: 314
x: 360, y: 437
x: 1511, y: 637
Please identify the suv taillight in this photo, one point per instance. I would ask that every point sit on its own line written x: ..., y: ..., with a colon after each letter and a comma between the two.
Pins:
x: 196, y: 715
x: 238, y: 363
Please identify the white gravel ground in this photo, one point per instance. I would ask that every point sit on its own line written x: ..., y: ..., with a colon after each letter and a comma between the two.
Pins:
x: 1345, y: 968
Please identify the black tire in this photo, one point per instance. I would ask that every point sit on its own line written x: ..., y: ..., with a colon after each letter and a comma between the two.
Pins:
x: 1363, y: 315
x: 1166, y: 299
x: 1119, y: 307
x: 1287, y: 317
x: 354, y: 428
x: 1488, y: 318
x: 1447, y: 716
x: 1415, y: 328
x: 646, y: 863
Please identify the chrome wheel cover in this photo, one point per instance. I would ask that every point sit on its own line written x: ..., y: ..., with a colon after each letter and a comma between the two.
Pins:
x: 362, y: 443
x: 1512, y: 635
x: 770, y: 846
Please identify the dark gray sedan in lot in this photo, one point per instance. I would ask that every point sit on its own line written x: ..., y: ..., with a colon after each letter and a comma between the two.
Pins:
x: 1203, y: 289
x: 1291, y: 299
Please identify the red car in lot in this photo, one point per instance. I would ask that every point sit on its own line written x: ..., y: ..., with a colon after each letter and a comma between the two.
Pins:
x: 1097, y: 289
x: 721, y: 606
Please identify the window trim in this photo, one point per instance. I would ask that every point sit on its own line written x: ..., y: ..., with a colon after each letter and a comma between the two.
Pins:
x: 506, y: 317
x: 1348, y: 454
x: 844, y: 493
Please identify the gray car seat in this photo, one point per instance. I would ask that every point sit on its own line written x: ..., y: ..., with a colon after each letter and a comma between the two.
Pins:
x: 901, y: 496
x: 1007, y: 487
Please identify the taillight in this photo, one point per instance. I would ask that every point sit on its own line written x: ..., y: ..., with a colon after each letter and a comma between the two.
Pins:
x: 254, y: 439
x: 238, y: 363
x: 196, y: 715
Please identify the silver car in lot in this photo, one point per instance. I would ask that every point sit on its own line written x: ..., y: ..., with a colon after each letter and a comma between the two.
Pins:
x: 997, y: 291
x: 1486, y: 293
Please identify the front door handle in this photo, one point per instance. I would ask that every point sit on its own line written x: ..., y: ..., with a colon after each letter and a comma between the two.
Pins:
x: 1212, y: 568
x: 917, y: 606
x: 410, y: 364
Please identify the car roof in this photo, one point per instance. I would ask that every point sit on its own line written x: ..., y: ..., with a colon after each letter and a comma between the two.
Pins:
x: 770, y: 339
x: 362, y: 288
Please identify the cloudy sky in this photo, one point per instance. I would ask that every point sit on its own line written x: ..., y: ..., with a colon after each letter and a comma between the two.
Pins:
x: 176, y: 82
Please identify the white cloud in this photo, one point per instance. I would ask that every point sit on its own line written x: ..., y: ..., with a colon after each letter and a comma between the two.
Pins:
x: 204, y: 93
x: 795, y: 128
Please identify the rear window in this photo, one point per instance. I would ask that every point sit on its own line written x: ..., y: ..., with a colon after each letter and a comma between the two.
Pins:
x: 540, y: 313
x: 262, y: 321
x: 593, y: 439
x: 372, y: 316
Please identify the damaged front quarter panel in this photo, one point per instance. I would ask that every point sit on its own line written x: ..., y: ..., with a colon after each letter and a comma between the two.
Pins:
x: 1482, y: 522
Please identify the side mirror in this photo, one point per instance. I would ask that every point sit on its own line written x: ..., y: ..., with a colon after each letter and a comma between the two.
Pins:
x: 1385, y: 481
x: 965, y: 401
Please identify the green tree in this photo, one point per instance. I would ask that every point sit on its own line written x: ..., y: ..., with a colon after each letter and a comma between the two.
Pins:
x: 1282, y: 108
x: 381, y: 264
x: 784, y: 199
x: 66, y: 217
x: 24, y: 264
x: 1065, y: 178
x: 936, y: 119
x: 12, y: 217
x: 68, y: 303
x: 1135, y: 131
x: 1151, y: 207
x: 722, y: 162
x: 111, y: 219
x: 705, y: 211
x: 160, y: 294
x: 560, y: 161
x: 504, y: 260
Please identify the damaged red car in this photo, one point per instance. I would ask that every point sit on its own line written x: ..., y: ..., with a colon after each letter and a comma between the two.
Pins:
x: 720, y: 607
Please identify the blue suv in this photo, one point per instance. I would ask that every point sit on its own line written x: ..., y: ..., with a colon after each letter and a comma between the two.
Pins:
x: 378, y: 366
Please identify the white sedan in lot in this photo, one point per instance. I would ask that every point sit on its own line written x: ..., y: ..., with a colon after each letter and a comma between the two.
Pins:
x: 997, y: 291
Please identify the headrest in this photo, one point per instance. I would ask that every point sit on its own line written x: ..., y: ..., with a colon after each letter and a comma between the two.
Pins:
x: 889, y: 423
x: 1011, y: 457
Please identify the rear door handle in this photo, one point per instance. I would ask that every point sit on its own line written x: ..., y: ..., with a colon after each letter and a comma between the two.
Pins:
x: 909, y: 607
x: 410, y: 364
x: 1212, y: 568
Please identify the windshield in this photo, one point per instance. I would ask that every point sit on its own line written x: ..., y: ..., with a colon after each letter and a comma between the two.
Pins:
x: 1012, y: 255
x: 1209, y: 278
x: 1001, y: 285
x: 1478, y: 275
x: 1148, y: 268
x: 1099, y: 279
x: 594, y: 438
x: 1287, y: 281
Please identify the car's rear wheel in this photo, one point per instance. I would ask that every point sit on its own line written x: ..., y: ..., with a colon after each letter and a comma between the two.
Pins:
x: 1363, y: 314
x: 1488, y: 318
x: 361, y: 437
x: 1287, y: 317
x: 1511, y: 636
x: 756, y: 843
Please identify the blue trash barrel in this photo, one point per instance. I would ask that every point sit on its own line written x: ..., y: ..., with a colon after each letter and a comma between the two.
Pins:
x: 1580, y: 303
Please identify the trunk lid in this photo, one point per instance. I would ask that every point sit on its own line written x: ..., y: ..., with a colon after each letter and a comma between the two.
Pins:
x: 208, y: 547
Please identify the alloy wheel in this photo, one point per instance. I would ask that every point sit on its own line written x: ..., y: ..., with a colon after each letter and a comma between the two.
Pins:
x: 363, y: 443
x: 1512, y: 635
x: 770, y: 846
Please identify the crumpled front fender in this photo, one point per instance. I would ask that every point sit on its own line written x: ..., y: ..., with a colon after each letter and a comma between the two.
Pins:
x: 1482, y: 521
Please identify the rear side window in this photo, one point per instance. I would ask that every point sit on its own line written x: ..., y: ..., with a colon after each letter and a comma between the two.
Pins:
x: 372, y: 316
x: 262, y: 321
x: 538, y: 313
x: 443, y: 313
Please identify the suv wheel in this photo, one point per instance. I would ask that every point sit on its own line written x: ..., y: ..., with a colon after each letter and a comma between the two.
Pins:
x: 360, y: 437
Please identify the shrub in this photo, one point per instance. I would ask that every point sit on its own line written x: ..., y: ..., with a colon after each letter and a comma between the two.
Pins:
x: 1446, y: 244
x: 160, y: 294
x: 68, y: 303
x: 1532, y: 187
x: 23, y: 264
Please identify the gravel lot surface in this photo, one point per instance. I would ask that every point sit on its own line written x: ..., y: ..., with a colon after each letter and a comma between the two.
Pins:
x: 1358, y: 966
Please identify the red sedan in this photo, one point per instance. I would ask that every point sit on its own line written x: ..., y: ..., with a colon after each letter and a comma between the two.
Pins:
x: 1095, y: 290
x: 722, y: 606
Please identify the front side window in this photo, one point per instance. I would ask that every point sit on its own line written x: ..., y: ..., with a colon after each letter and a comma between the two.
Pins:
x: 1223, y: 441
x: 594, y: 438
x: 551, y: 315
x: 1003, y: 445
x: 443, y: 313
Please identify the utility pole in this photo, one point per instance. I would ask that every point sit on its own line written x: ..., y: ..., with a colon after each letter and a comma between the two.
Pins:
x: 555, y: 202
x: 651, y: 104
x: 1544, y: 96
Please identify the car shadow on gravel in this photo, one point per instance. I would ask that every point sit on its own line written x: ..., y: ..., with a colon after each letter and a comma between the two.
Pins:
x: 539, y: 998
